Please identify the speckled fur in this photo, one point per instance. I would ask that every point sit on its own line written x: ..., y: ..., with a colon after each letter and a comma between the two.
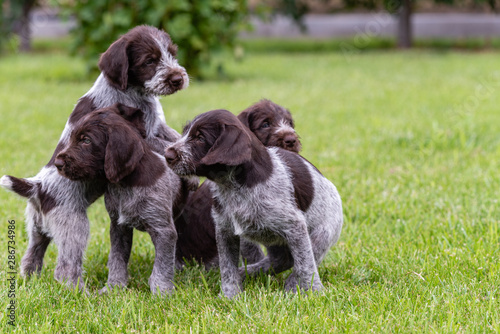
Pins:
x: 255, y: 197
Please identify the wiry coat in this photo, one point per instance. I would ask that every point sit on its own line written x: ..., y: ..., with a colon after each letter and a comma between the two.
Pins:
x: 273, y: 125
x: 131, y: 71
x: 267, y: 195
x: 141, y: 190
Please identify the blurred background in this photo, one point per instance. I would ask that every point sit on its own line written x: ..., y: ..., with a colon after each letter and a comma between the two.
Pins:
x: 204, y: 28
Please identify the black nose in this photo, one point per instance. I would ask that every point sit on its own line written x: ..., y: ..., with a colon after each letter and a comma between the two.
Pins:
x: 176, y: 80
x: 290, y: 140
x: 171, y: 156
x: 59, y: 163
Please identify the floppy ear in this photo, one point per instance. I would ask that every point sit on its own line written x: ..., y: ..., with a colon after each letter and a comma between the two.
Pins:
x: 114, y: 64
x: 244, y: 118
x: 123, y: 152
x: 133, y: 115
x: 233, y: 147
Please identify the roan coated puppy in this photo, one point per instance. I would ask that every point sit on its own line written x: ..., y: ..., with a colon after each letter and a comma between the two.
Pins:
x: 108, y: 144
x: 136, y: 69
x: 267, y: 195
x: 274, y: 126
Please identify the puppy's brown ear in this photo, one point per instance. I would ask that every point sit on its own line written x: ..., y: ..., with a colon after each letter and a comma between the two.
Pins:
x: 133, y: 115
x: 233, y: 147
x: 123, y: 152
x: 114, y: 64
x: 244, y: 117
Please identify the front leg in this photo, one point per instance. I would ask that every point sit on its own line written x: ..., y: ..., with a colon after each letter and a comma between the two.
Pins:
x: 164, y: 239
x: 228, y: 245
x: 305, y: 272
x: 121, y: 237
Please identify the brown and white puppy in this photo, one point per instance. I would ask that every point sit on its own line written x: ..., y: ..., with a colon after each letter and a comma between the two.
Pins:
x: 263, y: 194
x: 136, y: 69
x: 108, y: 145
x: 273, y: 125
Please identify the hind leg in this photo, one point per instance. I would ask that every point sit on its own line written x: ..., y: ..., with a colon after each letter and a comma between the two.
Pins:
x: 32, y: 261
x: 250, y: 252
x: 278, y: 260
x: 71, y: 233
x: 322, y: 240
x: 305, y: 271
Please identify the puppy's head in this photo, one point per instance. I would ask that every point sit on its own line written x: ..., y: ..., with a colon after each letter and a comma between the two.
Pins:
x: 105, y: 144
x: 272, y: 124
x: 210, y: 144
x: 144, y: 58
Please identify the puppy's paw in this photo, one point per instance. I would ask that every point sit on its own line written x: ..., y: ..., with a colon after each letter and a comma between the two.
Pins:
x: 242, y: 272
x: 231, y: 291
x: 111, y: 286
x: 292, y: 283
x: 179, y: 265
x: 162, y: 289
x: 160, y: 285
x: 28, y: 269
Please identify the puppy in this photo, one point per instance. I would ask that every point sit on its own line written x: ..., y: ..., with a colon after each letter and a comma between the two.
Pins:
x: 137, y: 68
x: 273, y: 125
x: 267, y: 195
x: 141, y: 190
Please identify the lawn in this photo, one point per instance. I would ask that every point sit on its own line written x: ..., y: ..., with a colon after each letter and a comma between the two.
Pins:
x: 410, y: 139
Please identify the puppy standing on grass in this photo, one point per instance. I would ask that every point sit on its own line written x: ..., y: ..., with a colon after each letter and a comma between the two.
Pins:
x: 267, y: 195
x: 107, y: 144
x: 136, y: 69
x: 273, y: 125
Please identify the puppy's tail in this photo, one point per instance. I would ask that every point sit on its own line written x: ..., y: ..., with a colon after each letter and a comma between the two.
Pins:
x: 23, y: 187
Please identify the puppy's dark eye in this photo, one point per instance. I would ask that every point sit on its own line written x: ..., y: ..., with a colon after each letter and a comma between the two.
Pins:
x: 148, y: 62
x: 201, y: 139
x: 265, y: 125
x: 86, y: 140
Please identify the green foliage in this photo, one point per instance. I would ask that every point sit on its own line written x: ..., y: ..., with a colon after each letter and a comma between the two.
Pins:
x: 3, y: 28
x: 199, y: 27
x: 9, y: 11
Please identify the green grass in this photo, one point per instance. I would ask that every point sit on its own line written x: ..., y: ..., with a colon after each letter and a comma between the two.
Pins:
x: 267, y: 45
x: 411, y: 141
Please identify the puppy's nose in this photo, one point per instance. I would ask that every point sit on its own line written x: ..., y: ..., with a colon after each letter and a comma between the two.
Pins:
x: 59, y: 163
x: 290, y: 140
x: 176, y: 80
x: 171, y: 155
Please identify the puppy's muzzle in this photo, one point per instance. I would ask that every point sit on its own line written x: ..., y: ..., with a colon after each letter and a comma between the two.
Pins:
x: 176, y: 80
x: 290, y: 140
x: 59, y: 162
x: 171, y: 156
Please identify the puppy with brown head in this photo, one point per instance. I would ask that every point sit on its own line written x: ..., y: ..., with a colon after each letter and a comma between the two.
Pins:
x: 108, y: 145
x: 266, y: 195
x: 273, y: 125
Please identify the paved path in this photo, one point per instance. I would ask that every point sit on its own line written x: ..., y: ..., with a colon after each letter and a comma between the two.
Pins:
x: 382, y: 24
x: 45, y: 24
